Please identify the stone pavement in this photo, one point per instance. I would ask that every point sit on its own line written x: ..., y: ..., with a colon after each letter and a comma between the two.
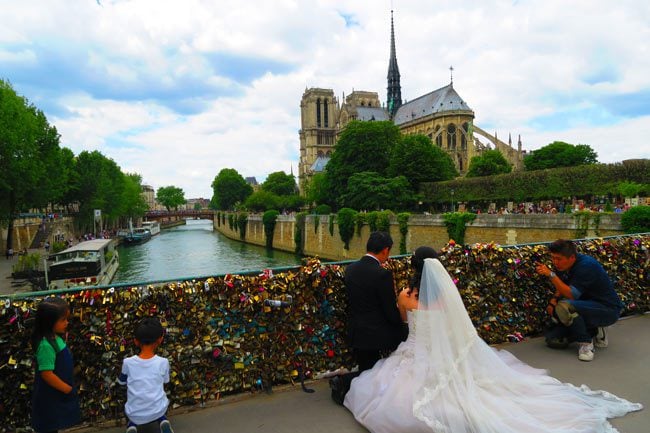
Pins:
x: 623, y: 369
x: 6, y: 286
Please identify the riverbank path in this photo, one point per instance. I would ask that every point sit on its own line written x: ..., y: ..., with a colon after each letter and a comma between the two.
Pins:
x: 623, y: 369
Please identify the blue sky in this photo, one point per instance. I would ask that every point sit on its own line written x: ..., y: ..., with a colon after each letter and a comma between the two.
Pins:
x: 176, y: 91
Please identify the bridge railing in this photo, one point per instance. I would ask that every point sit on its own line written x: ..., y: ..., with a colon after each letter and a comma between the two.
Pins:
x: 222, y: 337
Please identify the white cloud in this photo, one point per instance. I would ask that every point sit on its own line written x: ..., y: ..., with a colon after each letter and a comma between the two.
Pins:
x: 514, y: 62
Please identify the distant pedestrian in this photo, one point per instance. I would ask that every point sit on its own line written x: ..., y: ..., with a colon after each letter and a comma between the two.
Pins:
x: 47, y: 246
x: 10, y: 253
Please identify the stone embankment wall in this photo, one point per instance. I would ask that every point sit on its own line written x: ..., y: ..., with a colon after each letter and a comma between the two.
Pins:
x: 428, y: 230
x: 25, y: 230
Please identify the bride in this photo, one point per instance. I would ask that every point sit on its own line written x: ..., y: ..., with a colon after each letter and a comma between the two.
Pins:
x: 445, y: 378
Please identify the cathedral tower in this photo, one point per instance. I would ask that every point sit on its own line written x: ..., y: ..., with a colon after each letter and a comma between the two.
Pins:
x: 394, y: 89
x: 319, y: 114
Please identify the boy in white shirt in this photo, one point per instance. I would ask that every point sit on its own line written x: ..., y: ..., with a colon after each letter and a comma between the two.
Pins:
x: 145, y: 375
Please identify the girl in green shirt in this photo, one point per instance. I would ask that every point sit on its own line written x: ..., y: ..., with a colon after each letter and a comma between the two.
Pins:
x: 55, y: 404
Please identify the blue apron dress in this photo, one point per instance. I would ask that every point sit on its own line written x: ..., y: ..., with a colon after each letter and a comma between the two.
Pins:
x: 52, y: 409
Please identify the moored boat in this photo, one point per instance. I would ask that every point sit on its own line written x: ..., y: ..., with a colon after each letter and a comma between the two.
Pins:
x: 153, y: 226
x: 138, y: 235
x: 89, y: 263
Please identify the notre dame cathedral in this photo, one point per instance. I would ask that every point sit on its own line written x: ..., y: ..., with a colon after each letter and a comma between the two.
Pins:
x: 442, y: 115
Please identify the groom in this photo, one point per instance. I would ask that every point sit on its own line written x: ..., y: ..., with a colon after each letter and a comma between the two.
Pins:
x: 374, y: 323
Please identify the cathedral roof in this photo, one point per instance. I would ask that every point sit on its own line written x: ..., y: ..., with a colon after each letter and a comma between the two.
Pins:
x: 438, y: 101
x: 319, y: 164
x: 371, y: 113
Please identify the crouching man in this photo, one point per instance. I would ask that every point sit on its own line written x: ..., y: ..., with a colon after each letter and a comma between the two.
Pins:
x: 584, y: 302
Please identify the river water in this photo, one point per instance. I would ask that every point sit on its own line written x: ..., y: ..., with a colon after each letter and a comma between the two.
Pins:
x: 191, y: 250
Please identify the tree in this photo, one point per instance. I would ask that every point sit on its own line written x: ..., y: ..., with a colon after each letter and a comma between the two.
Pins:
x: 630, y: 189
x: 416, y: 158
x: 489, y: 163
x: 29, y: 158
x: 133, y: 203
x: 362, y: 146
x: 280, y: 183
x: 369, y: 190
x: 316, y: 189
x: 100, y: 185
x: 170, y: 196
x: 229, y: 188
x: 262, y: 200
x: 560, y: 154
x: 197, y: 206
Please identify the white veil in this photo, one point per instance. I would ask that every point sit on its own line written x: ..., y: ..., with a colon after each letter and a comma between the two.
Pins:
x: 465, y: 386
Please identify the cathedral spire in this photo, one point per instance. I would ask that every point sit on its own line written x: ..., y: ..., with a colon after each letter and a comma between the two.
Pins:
x: 394, y: 90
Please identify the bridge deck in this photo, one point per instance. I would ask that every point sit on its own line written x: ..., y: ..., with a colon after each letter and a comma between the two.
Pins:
x: 623, y: 369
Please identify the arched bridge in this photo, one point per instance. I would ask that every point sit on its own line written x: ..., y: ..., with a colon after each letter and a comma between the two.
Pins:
x: 163, y: 215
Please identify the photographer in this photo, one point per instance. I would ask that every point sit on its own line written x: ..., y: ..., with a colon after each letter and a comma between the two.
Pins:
x: 584, y: 301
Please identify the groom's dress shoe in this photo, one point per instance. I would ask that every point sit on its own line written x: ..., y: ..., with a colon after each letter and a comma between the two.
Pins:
x: 338, y: 393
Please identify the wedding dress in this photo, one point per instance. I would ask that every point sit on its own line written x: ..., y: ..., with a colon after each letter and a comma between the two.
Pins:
x: 444, y: 378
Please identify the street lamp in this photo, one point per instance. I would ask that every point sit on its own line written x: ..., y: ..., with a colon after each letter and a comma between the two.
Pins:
x: 452, y: 200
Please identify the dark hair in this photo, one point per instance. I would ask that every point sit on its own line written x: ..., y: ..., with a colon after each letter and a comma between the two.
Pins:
x: 149, y: 330
x: 378, y: 241
x: 49, y: 311
x: 417, y: 262
x: 563, y: 247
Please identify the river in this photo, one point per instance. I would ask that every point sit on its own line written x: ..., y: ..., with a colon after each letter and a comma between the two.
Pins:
x: 191, y: 250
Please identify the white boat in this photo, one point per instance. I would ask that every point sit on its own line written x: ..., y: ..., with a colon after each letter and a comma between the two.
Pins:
x: 89, y: 263
x: 153, y: 226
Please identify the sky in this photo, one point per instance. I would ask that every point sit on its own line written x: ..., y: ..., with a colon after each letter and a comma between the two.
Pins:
x: 178, y: 90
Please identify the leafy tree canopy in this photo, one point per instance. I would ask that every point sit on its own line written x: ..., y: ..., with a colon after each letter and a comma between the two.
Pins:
x: 262, y: 200
x: 280, y: 183
x: 229, y: 188
x: 362, y: 146
x: 315, y: 189
x: 170, y: 196
x: 416, y: 158
x: 489, y: 163
x: 560, y: 154
x: 371, y: 191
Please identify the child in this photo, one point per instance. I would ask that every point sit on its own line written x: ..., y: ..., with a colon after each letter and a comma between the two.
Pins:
x: 145, y: 374
x: 55, y: 404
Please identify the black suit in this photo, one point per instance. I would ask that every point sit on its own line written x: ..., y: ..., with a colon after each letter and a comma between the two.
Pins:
x: 374, y: 322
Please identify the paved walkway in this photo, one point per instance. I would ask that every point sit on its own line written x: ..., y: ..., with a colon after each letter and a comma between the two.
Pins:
x: 623, y: 369
x: 6, y: 282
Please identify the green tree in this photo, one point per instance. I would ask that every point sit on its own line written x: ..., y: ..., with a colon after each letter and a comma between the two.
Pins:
x: 369, y: 190
x: 361, y: 147
x: 170, y: 196
x: 636, y: 219
x: 197, y: 206
x: 229, y: 188
x: 416, y: 158
x: 97, y: 182
x: 560, y: 154
x: 133, y: 203
x: 280, y: 183
x: 262, y: 200
x: 315, y: 190
x: 29, y: 158
x: 489, y: 163
x: 630, y: 189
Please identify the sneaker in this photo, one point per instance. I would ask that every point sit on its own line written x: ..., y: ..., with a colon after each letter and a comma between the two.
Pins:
x: 600, y: 340
x: 132, y: 429
x: 165, y: 426
x: 585, y: 351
